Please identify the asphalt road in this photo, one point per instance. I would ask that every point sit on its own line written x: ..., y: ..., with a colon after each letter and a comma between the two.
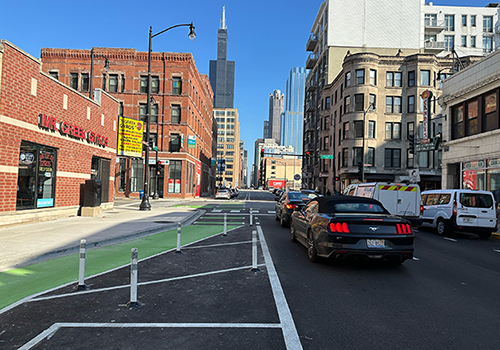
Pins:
x: 446, y: 298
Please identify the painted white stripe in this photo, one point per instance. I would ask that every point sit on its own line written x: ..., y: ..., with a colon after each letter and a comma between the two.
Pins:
x: 217, y: 211
x: 56, y: 326
x: 271, y: 212
x: 496, y: 250
x: 235, y: 211
x: 415, y: 258
x: 290, y: 334
x: 217, y: 245
x: 450, y: 239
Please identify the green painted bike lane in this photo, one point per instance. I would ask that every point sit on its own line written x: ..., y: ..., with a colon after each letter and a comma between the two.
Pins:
x: 17, y: 284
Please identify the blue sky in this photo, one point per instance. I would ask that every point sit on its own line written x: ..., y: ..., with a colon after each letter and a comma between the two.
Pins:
x: 266, y: 38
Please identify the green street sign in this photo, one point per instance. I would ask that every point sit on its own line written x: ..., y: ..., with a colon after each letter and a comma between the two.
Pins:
x: 326, y: 156
x: 155, y: 148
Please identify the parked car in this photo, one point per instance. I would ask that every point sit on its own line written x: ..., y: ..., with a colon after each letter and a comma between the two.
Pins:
x: 287, y: 203
x: 460, y: 210
x: 399, y: 199
x: 223, y: 193
x: 341, y: 227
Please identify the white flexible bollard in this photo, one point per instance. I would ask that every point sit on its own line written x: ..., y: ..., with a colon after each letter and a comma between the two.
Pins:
x: 254, y: 252
x: 133, y: 280
x: 251, y: 217
x: 178, y: 250
x: 225, y: 224
x: 81, y: 272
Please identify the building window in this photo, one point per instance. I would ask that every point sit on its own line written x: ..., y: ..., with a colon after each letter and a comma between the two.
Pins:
x: 487, y: 44
x: 457, y: 122
x: 229, y: 146
x: 358, y: 128
x: 335, y: 98
x: 176, y: 115
x: 487, y: 24
x: 373, y: 77
x: 464, y: 40
x: 85, y: 81
x: 430, y: 20
x: 423, y: 160
x: 155, y: 85
x: 54, y: 74
x: 230, y: 139
x: 449, y: 23
x: 347, y: 80
x: 357, y: 156
x: 345, y: 155
x: 473, y: 41
x: 220, y: 146
x: 154, y: 113
x: 464, y: 20
x: 136, y: 175
x: 73, y: 80
x: 410, y: 129
x: 393, y: 79
x: 174, y: 176
x: 143, y: 113
x: 345, y: 134
x: 122, y: 83
x: 175, y: 143
x: 104, y: 82
x: 113, y: 83
x: 120, y: 110
x: 327, y: 102
x: 411, y: 78
x: 473, y: 20
x: 411, y: 104
x: 425, y: 77
x: 392, y: 158
x: 176, y: 86
x: 144, y: 85
x: 360, y: 76
x: 372, y: 100
x: 410, y: 160
x: 347, y: 104
x: 490, y: 118
x: 370, y: 156
x: 449, y: 42
x: 393, y: 104
x: 359, y: 102
x: 393, y: 131
x: 371, y: 129
x: 36, y: 176
x: 472, y: 127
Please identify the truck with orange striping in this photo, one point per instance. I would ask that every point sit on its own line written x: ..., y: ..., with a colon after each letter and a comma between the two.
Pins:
x: 399, y: 199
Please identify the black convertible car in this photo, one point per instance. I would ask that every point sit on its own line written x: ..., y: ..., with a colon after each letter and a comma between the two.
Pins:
x: 343, y: 226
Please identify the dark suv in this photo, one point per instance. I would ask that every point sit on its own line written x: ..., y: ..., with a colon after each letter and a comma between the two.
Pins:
x: 287, y: 203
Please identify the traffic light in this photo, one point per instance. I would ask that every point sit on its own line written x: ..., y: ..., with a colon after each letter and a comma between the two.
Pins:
x: 262, y: 153
x: 307, y: 153
x: 360, y: 169
x: 411, y: 146
x: 158, y: 168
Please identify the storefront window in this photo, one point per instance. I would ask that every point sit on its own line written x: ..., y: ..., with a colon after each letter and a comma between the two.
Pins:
x: 473, y: 180
x: 36, y: 176
x: 174, y: 176
x: 136, y: 175
x: 123, y: 172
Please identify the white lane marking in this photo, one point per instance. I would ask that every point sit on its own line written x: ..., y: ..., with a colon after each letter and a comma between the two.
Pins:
x: 271, y: 212
x: 142, y: 283
x: 235, y: 211
x: 415, y: 258
x: 290, y: 334
x: 217, y: 245
x: 240, y: 214
x: 496, y: 250
x: 56, y: 326
x: 217, y: 211
x: 450, y: 239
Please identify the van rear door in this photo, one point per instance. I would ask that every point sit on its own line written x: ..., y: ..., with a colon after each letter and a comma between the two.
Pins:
x: 388, y: 195
x: 476, y: 209
x: 408, y: 201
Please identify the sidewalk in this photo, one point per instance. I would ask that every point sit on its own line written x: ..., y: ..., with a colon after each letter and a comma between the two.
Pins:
x: 27, y: 244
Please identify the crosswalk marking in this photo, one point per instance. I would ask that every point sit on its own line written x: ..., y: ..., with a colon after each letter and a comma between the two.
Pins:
x: 217, y: 211
x: 235, y: 211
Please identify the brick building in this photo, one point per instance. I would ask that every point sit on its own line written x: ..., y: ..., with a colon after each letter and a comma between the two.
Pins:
x: 53, y: 139
x: 181, y: 113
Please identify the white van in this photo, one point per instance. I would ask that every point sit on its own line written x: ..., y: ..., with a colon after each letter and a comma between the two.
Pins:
x: 399, y: 199
x: 460, y: 210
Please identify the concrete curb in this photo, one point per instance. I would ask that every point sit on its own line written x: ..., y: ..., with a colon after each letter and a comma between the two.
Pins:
x: 114, y: 240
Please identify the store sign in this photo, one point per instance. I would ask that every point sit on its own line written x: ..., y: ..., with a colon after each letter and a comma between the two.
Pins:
x: 191, y: 141
x: 427, y: 145
x: 326, y: 156
x: 71, y: 130
x: 130, y: 134
x: 426, y: 98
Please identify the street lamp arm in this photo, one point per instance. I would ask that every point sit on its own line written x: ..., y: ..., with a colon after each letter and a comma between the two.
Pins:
x: 177, y: 25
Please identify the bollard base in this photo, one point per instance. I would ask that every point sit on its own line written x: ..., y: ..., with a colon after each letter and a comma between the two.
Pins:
x: 178, y: 252
x: 254, y: 269
x: 132, y: 304
x: 82, y: 287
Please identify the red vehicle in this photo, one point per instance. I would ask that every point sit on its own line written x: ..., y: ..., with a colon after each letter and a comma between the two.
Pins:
x: 276, y: 184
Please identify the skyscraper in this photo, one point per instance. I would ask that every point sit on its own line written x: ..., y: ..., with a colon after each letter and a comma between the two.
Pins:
x: 221, y: 71
x: 292, y: 127
x: 276, y: 107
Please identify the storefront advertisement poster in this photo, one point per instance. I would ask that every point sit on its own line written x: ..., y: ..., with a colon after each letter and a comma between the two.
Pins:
x: 130, y: 134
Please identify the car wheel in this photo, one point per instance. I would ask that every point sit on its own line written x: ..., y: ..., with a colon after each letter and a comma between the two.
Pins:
x: 312, y: 253
x: 283, y: 223
x: 441, y: 227
x: 484, y: 235
x: 292, y: 232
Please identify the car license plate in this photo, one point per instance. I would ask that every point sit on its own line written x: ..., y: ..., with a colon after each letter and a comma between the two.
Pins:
x: 375, y: 243
x: 468, y: 220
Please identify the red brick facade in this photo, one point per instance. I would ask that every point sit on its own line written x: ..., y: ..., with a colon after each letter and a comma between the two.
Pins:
x: 26, y: 94
x: 125, y: 80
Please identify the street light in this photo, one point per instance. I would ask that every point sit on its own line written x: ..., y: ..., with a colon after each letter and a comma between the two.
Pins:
x: 145, y: 205
x: 363, y: 149
x: 106, y: 68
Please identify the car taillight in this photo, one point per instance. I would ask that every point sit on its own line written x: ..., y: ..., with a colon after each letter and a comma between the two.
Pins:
x: 403, y: 229
x: 421, y: 210
x: 340, y: 227
x: 291, y: 206
x: 454, y: 208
